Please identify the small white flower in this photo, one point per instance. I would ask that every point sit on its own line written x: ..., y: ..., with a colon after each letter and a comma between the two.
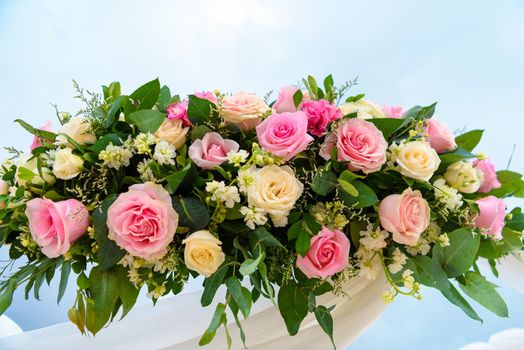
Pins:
x: 374, y: 239
x: 443, y: 240
x: 164, y: 153
x: 369, y: 263
x: 230, y: 196
x: 409, y: 281
x: 388, y: 297
x: 237, y: 158
x: 253, y: 216
x: 115, y: 156
x: 245, y: 179
x: 213, y: 187
x: 399, y: 259
x: 423, y: 247
x: 146, y: 174
x: 143, y: 143
x: 447, y: 195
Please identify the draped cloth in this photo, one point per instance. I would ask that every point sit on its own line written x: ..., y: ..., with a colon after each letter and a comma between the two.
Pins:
x: 178, y: 322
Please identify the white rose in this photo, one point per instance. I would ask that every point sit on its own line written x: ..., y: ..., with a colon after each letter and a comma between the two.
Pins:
x: 275, y: 190
x: 27, y: 172
x: 365, y: 109
x: 67, y: 165
x: 464, y: 177
x: 173, y: 132
x: 77, y: 128
x: 203, y: 253
x: 417, y: 160
x: 243, y: 109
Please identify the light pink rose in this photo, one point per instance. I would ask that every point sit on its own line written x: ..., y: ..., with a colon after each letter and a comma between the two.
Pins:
x: 405, y: 215
x: 358, y: 142
x: 243, y: 109
x: 319, y: 114
x: 207, y: 95
x: 39, y: 141
x: 491, y: 217
x: 142, y: 221
x: 211, y: 150
x: 490, y: 180
x: 396, y: 112
x: 284, y: 135
x: 56, y: 225
x: 328, y: 254
x: 439, y: 136
x: 178, y: 111
x: 285, y: 101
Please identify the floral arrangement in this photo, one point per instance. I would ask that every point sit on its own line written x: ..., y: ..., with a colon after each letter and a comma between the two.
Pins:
x: 286, y: 200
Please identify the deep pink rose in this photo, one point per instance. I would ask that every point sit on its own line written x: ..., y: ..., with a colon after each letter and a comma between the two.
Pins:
x: 319, y: 114
x: 439, y: 136
x: 39, y: 141
x: 490, y: 180
x: 178, y: 111
x: 396, y: 112
x: 358, y: 142
x: 56, y: 225
x: 207, y: 95
x: 211, y: 150
x: 328, y: 254
x: 491, y: 217
x: 142, y: 221
x: 284, y: 135
x: 405, y: 215
x: 285, y: 102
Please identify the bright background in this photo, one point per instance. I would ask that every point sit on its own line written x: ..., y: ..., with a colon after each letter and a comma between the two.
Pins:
x: 467, y: 55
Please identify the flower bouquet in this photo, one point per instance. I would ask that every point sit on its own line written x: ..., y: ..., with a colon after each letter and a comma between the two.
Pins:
x: 286, y: 200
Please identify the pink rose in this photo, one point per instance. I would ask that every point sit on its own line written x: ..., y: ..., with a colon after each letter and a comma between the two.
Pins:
x: 490, y: 180
x: 211, y: 150
x: 56, y: 225
x: 396, y: 112
x: 358, y: 142
x: 285, y: 102
x: 328, y: 254
x: 284, y: 135
x: 39, y: 141
x: 491, y: 217
x: 319, y: 114
x: 439, y: 136
x: 178, y: 111
x: 207, y: 95
x: 142, y: 221
x: 405, y: 215
x: 243, y: 109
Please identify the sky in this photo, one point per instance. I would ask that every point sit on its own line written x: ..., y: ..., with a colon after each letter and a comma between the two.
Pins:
x: 466, y: 55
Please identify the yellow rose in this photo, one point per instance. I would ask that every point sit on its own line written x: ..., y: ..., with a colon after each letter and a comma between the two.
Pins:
x: 417, y: 160
x: 464, y: 177
x: 27, y: 172
x: 67, y: 165
x: 173, y: 132
x: 243, y: 109
x: 275, y: 190
x: 365, y: 109
x: 203, y: 253
x: 77, y: 128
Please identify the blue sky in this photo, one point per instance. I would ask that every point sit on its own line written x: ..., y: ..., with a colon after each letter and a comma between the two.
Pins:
x: 466, y: 55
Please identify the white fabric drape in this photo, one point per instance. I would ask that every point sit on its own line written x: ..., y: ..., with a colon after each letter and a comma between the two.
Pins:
x: 178, y: 322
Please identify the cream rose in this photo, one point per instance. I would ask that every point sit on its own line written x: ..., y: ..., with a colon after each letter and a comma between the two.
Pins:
x: 365, y: 109
x: 275, y: 190
x: 243, y: 109
x: 67, y: 165
x: 77, y: 128
x: 28, y: 164
x: 173, y: 132
x: 203, y: 253
x: 417, y: 160
x: 464, y: 177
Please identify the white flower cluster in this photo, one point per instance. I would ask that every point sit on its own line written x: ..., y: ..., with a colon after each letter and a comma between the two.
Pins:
x: 143, y: 142
x: 164, y: 153
x: 146, y: 174
x: 245, y: 179
x: 371, y: 242
x: 399, y: 259
x: 222, y: 193
x: 253, y: 216
x: 115, y: 156
x: 237, y: 158
x: 448, y: 196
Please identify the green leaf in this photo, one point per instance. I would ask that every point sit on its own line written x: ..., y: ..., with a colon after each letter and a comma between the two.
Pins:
x: 366, y: 197
x: 146, y: 96
x: 64, y: 277
x: 108, y: 253
x: 312, y: 224
x: 193, y: 214
x: 453, y: 295
x: 483, y: 292
x: 263, y: 237
x: 387, y: 125
x: 219, y: 317
x: 164, y: 98
x: 146, y: 120
x: 459, y: 256
x: 469, y: 140
x: 174, y: 180
x: 302, y: 243
x: 350, y: 176
x: 447, y: 159
x: 348, y: 188
x: 7, y: 296
x: 199, y: 110
x: 37, y: 132
x: 199, y: 131
x: 297, y: 98
x: 241, y: 295
x: 116, y: 106
x: 295, y: 230
x: 516, y: 222
x: 212, y: 283
x: 103, y: 142
x: 293, y: 306
x: 249, y: 266
x: 355, y: 98
x: 512, y: 184
x: 324, y: 182
x: 325, y: 321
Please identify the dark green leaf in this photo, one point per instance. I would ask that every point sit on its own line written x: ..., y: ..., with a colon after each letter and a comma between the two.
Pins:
x: 146, y: 96
x: 294, y: 230
x: 212, y: 283
x: 265, y: 238
x: 324, y: 182
x: 249, y: 266
x: 7, y: 296
x: 108, y: 252
x: 469, y: 140
x: 116, y: 106
x: 366, y: 197
x: 302, y: 243
x: 218, y: 318
x: 193, y: 214
x: 459, y: 256
x: 297, y: 98
x: 325, y: 321
x: 146, y: 120
x: 387, y: 125
x: 199, y: 110
x: 241, y: 295
x: 293, y: 306
x: 102, y: 143
x: 47, y: 135
x: 174, y: 180
x: 199, y: 131
x: 483, y: 292
x: 164, y: 98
